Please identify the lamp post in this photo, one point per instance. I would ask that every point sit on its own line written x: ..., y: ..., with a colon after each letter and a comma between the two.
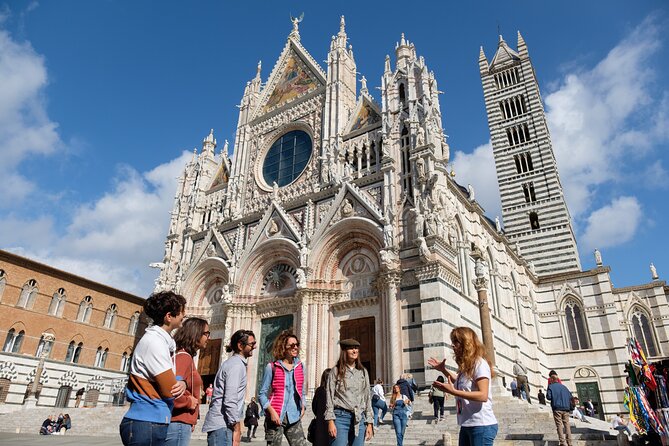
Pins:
x: 481, y: 286
x: 48, y: 339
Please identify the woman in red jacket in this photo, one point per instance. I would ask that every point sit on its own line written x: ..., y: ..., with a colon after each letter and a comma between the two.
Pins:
x: 190, y: 338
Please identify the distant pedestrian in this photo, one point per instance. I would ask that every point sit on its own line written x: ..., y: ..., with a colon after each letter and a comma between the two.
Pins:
x: 223, y: 421
x: 349, y: 405
x: 282, y: 393
x: 65, y: 424
x: 406, y: 387
x: 399, y: 404
x: 521, y: 377
x: 47, y: 426
x: 79, y: 395
x: 438, y: 397
x: 152, y: 384
x: 251, y: 419
x: 471, y: 387
x: 577, y: 410
x: 541, y: 397
x: 379, y: 402
x: 191, y: 338
x: 320, y: 434
x: 209, y: 392
x: 552, y: 374
x: 514, y: 388
x: 619, y: 424
x: 560, y: 399
x: 589, y: 408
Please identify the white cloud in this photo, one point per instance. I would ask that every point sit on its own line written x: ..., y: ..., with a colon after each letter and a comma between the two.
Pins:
x: 602, y: 115
x: 613, y: 224
x: 478, y: 169
x: 113, y: 239
x: 25, y: 129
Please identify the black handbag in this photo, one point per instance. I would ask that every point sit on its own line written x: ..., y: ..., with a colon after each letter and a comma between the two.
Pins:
x: 311, y: 431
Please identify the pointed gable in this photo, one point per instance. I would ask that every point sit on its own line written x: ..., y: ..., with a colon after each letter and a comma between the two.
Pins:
x: 366, y: 114
x: 295, y: 74
x: 504, y: 55
x: 221, y: 177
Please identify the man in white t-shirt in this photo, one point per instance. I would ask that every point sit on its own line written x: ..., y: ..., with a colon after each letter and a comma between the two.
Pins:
x: 379, y: 402
x: 619, y: 424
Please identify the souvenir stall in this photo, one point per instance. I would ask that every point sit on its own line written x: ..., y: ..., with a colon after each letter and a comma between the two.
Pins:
x: 646, y: 395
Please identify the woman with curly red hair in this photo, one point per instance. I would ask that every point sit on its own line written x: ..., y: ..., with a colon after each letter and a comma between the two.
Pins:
x: 471, y: 388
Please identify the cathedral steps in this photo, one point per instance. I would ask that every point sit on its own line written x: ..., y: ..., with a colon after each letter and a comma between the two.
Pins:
x: 520, y: 424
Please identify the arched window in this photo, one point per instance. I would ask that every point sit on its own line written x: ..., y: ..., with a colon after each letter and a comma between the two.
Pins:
x: 98, y: 357
x: 103, y: 360
x: 403, y: 95
x: 643, y: 332
x: 77, y: 352
x: 28, y: 295
x: 576, y: 327
x: 3, y: 282
x: 101, y: 357
x: 125, y: 362
x: 134, y: 323
x: 70, y: 352
x: 534, y: 220
x: 13, y: 341
x: 405, y: 145
x: 44, y: 347
x: 85, y: 309
x: 57, y: 303
x: 110, y: 316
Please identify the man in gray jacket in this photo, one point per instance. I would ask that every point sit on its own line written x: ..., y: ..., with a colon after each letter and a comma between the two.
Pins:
x: 223, y: 421
x: 560, y: 398
x: 521, y: 378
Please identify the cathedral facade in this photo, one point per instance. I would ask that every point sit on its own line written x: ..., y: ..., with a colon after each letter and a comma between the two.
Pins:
x: 341, y: 217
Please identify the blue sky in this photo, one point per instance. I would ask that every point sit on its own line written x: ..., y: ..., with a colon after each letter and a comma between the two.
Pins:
x: 102, y: 103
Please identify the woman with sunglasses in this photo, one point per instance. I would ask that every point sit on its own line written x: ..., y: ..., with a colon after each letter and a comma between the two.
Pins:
x: 348, y: 403
x: 191, y: 337
x: 282, y: 392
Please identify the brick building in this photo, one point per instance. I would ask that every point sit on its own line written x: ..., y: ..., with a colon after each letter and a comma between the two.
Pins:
x: 95, y: 328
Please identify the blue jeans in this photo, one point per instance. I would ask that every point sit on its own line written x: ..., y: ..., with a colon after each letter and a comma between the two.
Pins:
x: 400, y: 420
x: 178, y: 434
x: 478, y: 435
x: 142, y: 433
x: 220, y: 437
x: 344, y: 422
x: 379, y: 404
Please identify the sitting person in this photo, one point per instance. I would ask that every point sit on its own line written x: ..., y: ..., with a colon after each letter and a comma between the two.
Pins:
x: 578, y: 411
x: 619, y: 424
x: 65, y: 424
x: 46, y: 428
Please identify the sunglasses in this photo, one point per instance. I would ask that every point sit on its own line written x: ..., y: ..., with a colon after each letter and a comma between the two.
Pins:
x: 252, y: 344
x: 293, y: 345
x: 207, y: 334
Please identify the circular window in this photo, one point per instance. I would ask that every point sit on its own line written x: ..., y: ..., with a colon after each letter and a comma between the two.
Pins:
x: 287, y: 158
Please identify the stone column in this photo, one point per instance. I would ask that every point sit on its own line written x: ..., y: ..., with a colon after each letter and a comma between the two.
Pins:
x: 48, y: 339
x: 303, y: 328
x: 481, y: 286
x: 389, y: 283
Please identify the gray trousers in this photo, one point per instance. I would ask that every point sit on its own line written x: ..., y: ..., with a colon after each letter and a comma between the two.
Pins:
x: 293, y: 432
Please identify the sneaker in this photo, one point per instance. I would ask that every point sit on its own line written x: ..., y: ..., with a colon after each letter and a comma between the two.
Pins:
x: 381, y: 422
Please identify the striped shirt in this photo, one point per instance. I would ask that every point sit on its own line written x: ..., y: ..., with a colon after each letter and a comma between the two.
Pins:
x: 149, y: 389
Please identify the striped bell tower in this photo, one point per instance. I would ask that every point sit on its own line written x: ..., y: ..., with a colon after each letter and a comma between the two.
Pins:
x: 533, y: 206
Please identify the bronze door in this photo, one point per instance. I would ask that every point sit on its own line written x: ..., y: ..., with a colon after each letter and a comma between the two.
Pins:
x: 362, y: 330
